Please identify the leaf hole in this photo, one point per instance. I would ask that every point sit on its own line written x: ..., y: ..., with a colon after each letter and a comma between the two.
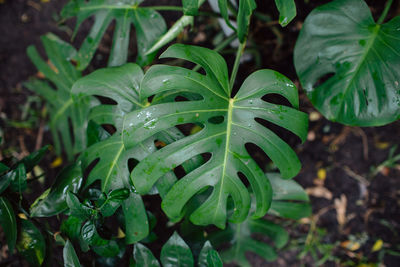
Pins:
x: 243, y: 178
x: 109, y: 128
x: 71, y: 131
x: 132, y: 164
x: 276, y: 99
x: 89, y: 168
x: 283, y: 133
x: 216, y: 119
x: 258, y: 155
x: 106, y: 100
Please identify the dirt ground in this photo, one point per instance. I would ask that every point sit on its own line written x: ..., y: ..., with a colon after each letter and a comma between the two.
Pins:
x: 354, y: 188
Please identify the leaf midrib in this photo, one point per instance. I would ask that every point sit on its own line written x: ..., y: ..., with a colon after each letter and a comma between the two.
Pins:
x: 226, y: 153
x: 361, y: 62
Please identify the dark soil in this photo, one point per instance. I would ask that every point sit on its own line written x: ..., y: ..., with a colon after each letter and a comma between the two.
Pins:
x: 347, y: 154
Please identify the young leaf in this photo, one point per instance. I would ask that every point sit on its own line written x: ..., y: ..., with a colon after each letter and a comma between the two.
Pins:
x: 64, y: 113
x: 246, y: 8
x: 209, y: 257
x: 69, y: 179
x: 31, y: 244
x: 287, y: 11
x: 224, y: 139
x: 144, y: 257
x: 148, y: 23
x: 349, y: 65
x: 8, y: 223
x: 69, y: 255
x: 176, y: 253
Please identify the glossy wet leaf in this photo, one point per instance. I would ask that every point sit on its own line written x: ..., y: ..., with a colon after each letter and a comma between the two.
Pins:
x: 176, y: 253
x: 224, y: 140
x: 209, y: 257
x: 149, y: 26
x: 54, y: 202
x: 31, y: 244
x: 8, y: 223
x: 144, y: 257
x: 287, y: 11
x: 69, y: 255
x: 64, y: 112
x: 349, y: 65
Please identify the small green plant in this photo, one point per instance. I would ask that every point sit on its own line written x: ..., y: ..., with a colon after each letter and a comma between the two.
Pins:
x: 134, y: 131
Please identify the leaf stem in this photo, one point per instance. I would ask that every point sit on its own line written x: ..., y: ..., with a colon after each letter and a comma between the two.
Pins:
x: 385, y: 12
x: 235, y: 69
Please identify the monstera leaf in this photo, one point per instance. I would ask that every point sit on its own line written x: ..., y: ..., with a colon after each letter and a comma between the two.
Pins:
x: 228, y: 125
x: 64, y: 113
x: 149, y: 26
x: 241, y: 236
x: 349, y: 65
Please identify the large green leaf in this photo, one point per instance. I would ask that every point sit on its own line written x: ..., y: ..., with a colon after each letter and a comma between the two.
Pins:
x: 349, y: 65
x: 224, y: 140
x: 241, y: 236
x: 8, y: 223
x: 31, y: 244
x: 64, y: 112
x: 149, y: 26
x: 54, y: 202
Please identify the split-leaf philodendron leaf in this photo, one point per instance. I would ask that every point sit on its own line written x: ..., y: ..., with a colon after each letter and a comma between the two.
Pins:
x: 64, y: 112
x: 149, y: 26
x: 228, y: 125
x: 349, y: 65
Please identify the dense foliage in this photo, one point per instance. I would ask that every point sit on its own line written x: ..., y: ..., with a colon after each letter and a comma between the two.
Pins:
x: 131, y: 132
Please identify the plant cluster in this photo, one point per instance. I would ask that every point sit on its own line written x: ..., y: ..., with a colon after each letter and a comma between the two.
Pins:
x: 184, y: 133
